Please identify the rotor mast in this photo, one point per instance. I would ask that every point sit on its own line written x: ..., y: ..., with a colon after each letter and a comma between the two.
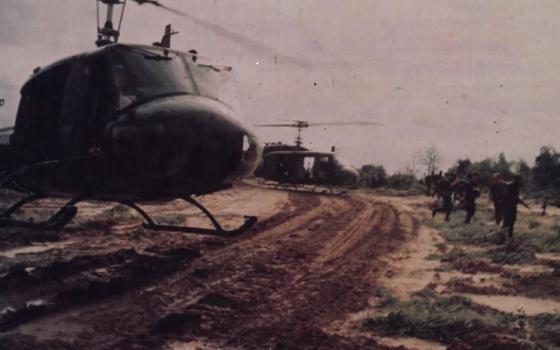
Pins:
x: 108, y: 34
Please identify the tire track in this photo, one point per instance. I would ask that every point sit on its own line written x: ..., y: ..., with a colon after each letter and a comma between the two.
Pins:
x: 278, y: 286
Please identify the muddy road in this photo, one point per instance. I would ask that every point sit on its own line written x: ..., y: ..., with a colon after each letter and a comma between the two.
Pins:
x: 107, y: 283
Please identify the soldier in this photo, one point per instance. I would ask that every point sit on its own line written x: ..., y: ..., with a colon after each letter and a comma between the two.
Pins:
x: 428, y: 182
x: 511, y: 199
x: 445, y: 192
x: 470, y: 194
x: 496, y: 196
x: 436, y: 179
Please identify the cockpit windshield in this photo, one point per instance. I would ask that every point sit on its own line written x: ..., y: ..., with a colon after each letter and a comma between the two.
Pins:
x: 144, y: 73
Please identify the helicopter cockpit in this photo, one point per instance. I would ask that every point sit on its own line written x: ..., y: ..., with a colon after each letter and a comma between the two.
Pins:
x: 141, y: 74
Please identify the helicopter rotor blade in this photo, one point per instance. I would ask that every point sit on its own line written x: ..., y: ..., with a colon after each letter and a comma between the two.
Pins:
x: 275, y: 125
x: 10, y: 128
x: 304, y: 124
x: 358, y: 123
x: 241, y: 39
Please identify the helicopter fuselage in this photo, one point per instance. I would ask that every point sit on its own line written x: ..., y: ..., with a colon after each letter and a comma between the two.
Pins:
x: 129, y: 122
x: 306, y: 167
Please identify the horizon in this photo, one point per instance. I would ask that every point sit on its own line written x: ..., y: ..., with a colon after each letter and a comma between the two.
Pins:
x: 473, y: 78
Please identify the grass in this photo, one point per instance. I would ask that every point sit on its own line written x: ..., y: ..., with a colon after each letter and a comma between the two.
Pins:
x: 546, y: 327
x: 449, y: 319
x: 533, y: 235
x: 480, y: 247
x: 440, y: 319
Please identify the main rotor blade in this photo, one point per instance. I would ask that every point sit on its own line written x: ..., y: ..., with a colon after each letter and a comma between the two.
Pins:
x: 304, y: 124
x: 241, y: 39
x: 275, y: 125
x: 360, y: 123
x: 10, y: 128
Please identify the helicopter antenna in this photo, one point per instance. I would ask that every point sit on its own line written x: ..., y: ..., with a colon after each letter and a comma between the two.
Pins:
x: 108, y: 34
x: 299, y: 138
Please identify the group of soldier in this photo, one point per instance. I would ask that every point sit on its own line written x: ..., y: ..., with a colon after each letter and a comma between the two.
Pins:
x: 454, y: 192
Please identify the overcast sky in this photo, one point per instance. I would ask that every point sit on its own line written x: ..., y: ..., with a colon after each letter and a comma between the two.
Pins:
x: 473, y: 78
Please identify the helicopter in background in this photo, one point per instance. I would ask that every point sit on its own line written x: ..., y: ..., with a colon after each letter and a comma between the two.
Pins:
x: 295, y: 167
x: 126, y: 123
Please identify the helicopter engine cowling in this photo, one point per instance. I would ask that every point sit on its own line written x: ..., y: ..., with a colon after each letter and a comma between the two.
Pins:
x: 182, y: 144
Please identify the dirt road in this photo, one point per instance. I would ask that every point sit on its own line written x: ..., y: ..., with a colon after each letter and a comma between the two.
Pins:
x: 106, y: 283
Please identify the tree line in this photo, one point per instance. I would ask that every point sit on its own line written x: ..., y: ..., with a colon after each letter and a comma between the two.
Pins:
x: 541, y: 180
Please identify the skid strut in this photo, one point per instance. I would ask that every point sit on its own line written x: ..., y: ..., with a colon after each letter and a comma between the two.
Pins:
x: 218, y: 230
x: 8, y: 212
x: 60, y: 219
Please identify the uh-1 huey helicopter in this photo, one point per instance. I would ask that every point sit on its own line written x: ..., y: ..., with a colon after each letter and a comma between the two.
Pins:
x: 128, y: 124
x: 294, y: 166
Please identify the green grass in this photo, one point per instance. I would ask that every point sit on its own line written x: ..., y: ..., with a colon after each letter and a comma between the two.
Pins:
x: 448, y: 319
x: 440, y: 319
x: 532, y: 235
x: 546, y: 327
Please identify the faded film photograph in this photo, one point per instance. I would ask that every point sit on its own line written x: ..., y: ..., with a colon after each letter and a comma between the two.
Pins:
x: 296, y: 174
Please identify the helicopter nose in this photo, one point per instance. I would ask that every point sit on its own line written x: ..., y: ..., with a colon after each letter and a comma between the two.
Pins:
x: 201, y: 146
x: 151, y: 151
x: 349, y: 176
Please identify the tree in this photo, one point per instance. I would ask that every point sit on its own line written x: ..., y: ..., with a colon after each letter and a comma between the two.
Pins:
x: 430, y: 158
x: 373, y: 175
x: 546, y: 172
x: 524, y: 170
x: 461, y: 167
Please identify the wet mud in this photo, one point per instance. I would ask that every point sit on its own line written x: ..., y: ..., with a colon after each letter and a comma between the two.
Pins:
x: 309, y: 262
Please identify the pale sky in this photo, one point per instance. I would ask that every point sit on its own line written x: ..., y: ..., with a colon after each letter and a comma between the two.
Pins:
x: 473, y: 78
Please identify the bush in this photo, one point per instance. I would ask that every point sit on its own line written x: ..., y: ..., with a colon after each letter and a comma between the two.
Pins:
x: 401, y: 181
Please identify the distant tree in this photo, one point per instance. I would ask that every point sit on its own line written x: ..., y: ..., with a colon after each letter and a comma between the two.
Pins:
x: 373, y: 176
x: 412, y: 166
x: 486, y: 168
x: 401, y: 181
x: 430, y: 158
x: 461, y: 167
x: 502, y: 166
x: 523, y: 169
x: 546, y: 173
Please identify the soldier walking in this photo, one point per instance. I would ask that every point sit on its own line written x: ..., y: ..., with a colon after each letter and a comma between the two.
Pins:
x: 497, y: 196
x: 510, y: 200
x: 428, y: 182
x: 445, y: 192
x: 436, y: 179
x: 470, y: 194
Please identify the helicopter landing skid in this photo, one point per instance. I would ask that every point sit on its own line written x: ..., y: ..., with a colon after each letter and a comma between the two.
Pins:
x: 218, y: 230
x: 60, y: 219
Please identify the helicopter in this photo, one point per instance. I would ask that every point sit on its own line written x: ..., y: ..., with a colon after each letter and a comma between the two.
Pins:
x: 294, y: 166
x: 126, y: 123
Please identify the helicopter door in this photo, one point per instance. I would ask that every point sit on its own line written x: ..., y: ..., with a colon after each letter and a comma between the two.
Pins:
x: 37, y: 119
x: 323, y: 168
x: 86, y: 109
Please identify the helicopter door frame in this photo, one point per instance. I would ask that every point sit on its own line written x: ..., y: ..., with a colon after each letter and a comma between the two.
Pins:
x: 37, y: 121
x: 87, y: 107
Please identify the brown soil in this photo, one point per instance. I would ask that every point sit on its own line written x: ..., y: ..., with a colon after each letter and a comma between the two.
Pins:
x: 310, y: 261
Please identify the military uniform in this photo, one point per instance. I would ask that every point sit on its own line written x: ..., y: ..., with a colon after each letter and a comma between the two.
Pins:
x: 496, y: 196
x: 470, y: 194
x: 511, y: 199
x: 445, y: 192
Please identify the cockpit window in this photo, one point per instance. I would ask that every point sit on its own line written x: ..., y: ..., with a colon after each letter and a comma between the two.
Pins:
x: 140, y: 74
